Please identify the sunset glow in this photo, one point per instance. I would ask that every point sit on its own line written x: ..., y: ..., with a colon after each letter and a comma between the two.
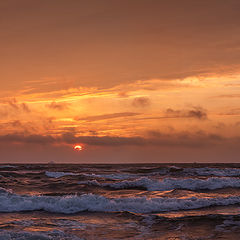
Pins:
x: 120, y: 119
x: 153, y: 81
x: 78, y: 147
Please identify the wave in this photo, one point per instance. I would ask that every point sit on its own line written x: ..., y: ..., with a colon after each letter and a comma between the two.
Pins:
x: 228, y: 172
x: 59, y: 174
x: 228, y: 225
x: 41, y: 235
x: 206, y: 171
x: 10, y: 202
x: 170, y: 183
x: 115, y: 176
x: 8, y: 166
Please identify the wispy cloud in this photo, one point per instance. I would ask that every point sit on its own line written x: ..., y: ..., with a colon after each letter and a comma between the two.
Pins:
x: 141, y: 102
x: 228, y: 96
x: 196, y: 112
x: 57, y: 105
x: 18, y: 106
x: 106, y: 116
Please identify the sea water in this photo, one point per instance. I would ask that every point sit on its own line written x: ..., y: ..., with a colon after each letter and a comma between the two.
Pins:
x: 134, y: 201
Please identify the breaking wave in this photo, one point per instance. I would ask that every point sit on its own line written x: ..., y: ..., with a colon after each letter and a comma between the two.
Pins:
x: 115, y: 176
x: 8, y: 166
x: 10, y: 202
x: 119, y: 176
x: 59, y: 174
x: 37, y: 235
x: 207, y: 171
x: 170, y: 183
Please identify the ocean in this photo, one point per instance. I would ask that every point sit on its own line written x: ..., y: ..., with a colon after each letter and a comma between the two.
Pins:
x: 125, y: 201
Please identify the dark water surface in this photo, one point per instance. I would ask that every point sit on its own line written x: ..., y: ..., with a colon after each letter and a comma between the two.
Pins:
x: 137, y: 201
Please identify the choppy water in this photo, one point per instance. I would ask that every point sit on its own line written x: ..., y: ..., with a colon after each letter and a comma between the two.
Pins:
x: 147, y: 201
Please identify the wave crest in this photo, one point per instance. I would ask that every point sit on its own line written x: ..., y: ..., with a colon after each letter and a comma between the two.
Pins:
x: 170, y: 183
x: 10, y: 202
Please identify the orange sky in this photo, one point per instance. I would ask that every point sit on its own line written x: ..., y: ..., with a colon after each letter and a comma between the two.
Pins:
x: 132, y: 81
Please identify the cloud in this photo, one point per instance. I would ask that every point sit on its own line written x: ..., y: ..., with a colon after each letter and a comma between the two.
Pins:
x: 154, y: 138
x: 228, y: 96
x: 12, y: 108
x: 196, y: 112
x: 123, y: 94
x: 106, y: 116
x: 141, y: 102
x: 234, y: 111
x: 18, y: 106
x: 57, y: 106
x: 3, y: 112
x: 15, y: 123
x: 20, y: 138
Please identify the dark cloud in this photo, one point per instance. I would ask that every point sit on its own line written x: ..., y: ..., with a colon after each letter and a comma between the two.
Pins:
x: 234, y: 111
x: 220, y: 125
x: 57, y: 106
x: 228, y: 96
x: 28, y: 127
x: 196, y: 112
x: 141, y: 102
x: 237, y: 124
x: 103, y: 141
x: 20, y: 138
x: 186, y: 139
x: 123, y: 94
x: 15, y: 123
x: 18, y: 106
x: 107, y: 116
x: 3, y: 112
x: 154, y: 138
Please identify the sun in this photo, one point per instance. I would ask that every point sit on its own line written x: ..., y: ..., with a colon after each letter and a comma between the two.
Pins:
x: 78, y: 148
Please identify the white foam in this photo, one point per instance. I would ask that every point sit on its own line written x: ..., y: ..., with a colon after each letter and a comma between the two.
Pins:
x: 25, y: 223
x: 228, y: 226
x: 170, y: 183
x: 73, y: 224
x: 93, y: 183
x: 8, y: 166
x: 116, y: 176
x: 206, y: 171
x: 96, y: 203
x: 38, y: 235
x: 59, y: 174
x: 5, y: 191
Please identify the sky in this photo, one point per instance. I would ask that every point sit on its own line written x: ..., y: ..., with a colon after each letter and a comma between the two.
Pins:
x: 131, y: 81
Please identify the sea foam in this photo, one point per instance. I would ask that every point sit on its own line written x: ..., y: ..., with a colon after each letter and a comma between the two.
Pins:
x: 207, y: 171
x: 115, y: 176
x: 37, y: 235
x: 170, y: 183
x: 8, y: 166
x: 10, y: 202
x: 59, y: 174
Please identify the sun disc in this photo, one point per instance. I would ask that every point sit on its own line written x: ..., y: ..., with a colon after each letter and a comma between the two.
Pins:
x: 78, y: 147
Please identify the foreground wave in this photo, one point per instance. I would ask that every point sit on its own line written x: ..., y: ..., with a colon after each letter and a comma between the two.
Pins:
x: 10, y: 202
x: 37, y: 235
